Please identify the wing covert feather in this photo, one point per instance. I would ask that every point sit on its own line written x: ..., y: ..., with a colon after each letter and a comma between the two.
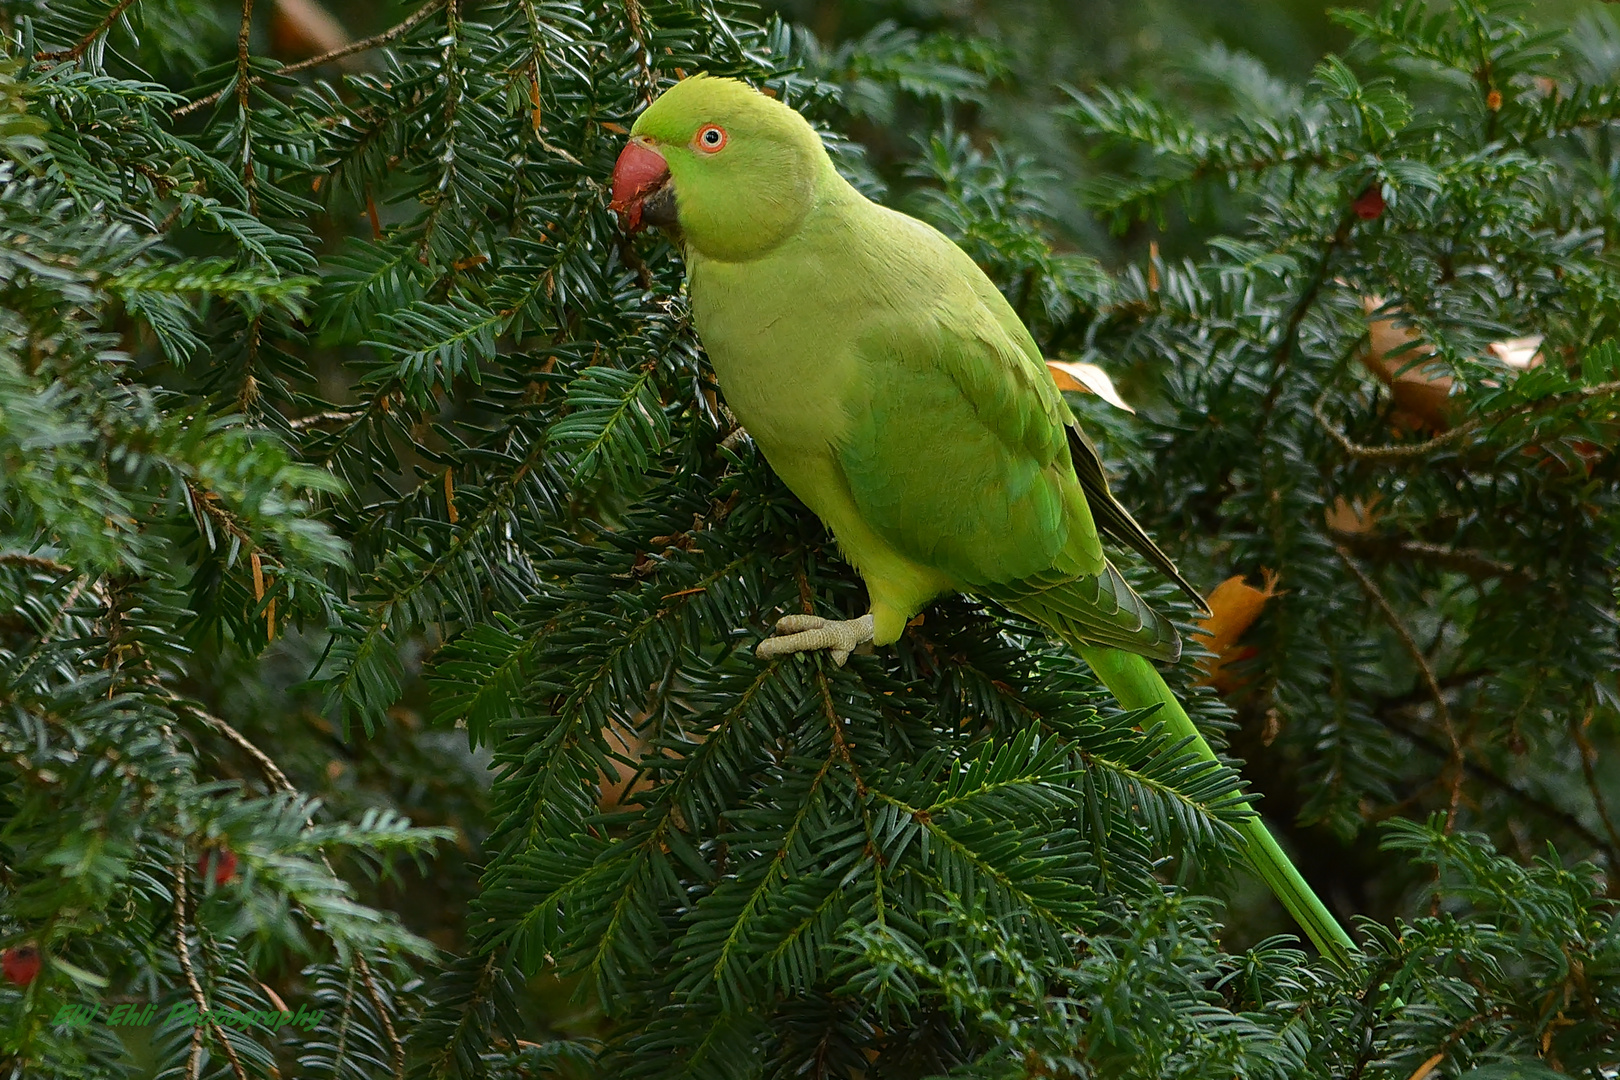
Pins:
x: 958, y: 453
x: 956, y: 457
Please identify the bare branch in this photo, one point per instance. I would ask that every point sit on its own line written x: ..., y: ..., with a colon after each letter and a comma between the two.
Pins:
x: 1442, y: 709
x: 1472, y: 563
x: 1589, y: 767
x: 1409, y: 451
x: 183, y: 952
x: 1493, y: 779
x: 279, y: 781
x: 374, y: 41
x: 382, y: 1010
x: 272, y: 771
x: 393, y: 33
x: 33, y: 562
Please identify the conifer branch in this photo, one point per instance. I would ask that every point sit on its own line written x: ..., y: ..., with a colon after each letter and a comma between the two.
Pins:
x: 1411, y: 451
x: 385, y: 37
x: 1473, y: 563
x: 1491, y: 778
x: 89, y: 39
x: 34, y: 562
x: 1442, y: 709
x: 182, y: 952
x: 1577, y: 731
x: 392, y: 34
x: 272, y: 771
x: 522, y: 487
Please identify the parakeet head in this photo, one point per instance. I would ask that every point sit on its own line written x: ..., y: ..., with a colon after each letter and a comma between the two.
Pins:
x: 734, y: 170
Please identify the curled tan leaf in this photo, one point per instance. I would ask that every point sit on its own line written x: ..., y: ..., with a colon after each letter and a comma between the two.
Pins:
x: 1354, y: 516
x: 1422, y: 396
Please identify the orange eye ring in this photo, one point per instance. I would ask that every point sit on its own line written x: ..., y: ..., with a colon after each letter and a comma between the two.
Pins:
x: 711, y: 138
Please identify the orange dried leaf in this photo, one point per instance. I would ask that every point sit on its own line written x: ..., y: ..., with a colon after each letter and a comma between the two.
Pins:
x: 274, y: 998
x: 1422, y: 397
x: 620, y: 783
x: 1432, y: 1063
x: 1348, y: 516
x: 1233, y: 607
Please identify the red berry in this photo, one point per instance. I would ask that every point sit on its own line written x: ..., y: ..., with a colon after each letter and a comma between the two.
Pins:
x: 1370, y: 203
x: 20, y: 964
x: 224, y: 864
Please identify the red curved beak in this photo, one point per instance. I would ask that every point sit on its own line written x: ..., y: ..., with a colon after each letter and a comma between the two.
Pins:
x: 639, y: 172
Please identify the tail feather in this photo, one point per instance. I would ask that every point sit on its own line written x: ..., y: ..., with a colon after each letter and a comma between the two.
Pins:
x: 1135, y: 685
x: 1101, y: 610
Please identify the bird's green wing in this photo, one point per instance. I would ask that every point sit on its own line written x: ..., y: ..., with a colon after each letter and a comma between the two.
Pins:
x: 1110, y: 515
x: 957, y: 454
x: 1098, y: 610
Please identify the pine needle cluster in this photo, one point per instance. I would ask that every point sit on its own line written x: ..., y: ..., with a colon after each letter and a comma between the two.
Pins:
x: 351, y: 381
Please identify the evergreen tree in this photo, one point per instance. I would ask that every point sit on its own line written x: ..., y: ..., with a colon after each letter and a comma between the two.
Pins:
x: 352, y: 381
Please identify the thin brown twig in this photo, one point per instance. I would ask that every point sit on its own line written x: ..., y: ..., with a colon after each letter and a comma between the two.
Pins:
x: 374, y: 41
x: 61, y: 612
x: 1493, y: 779
x: 244, y: 88
x: 1408, y: 451
x: 330, y: 416
x: 1472, y: 563
x: 382, y: 1010
x: 632, y: 11
x: 1442, y: 710
x: 85, y: 42
x: 33, y: 562
x: 1589, y: 767
x: 272, y: 771
x: 397, y: 31
x: 183, y: 952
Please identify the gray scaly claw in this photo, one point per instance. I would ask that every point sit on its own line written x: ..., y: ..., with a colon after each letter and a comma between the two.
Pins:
x: 807, y: 633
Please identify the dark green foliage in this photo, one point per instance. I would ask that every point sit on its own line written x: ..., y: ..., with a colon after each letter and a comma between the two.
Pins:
x: 325, y: 405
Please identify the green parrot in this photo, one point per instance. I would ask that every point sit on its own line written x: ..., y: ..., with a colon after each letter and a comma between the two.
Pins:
x: 896, y: 392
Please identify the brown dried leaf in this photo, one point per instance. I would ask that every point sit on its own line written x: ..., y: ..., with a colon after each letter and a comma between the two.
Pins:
x: 1352, y: 517
x: 303, y: 28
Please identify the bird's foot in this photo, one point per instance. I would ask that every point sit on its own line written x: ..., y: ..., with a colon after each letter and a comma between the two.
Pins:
x: 807, y: 633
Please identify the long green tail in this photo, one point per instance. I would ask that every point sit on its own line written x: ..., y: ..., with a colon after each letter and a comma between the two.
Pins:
x: 1136, y: 685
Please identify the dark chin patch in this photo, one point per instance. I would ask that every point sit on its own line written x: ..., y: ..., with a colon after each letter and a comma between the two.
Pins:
x: 659, y: 208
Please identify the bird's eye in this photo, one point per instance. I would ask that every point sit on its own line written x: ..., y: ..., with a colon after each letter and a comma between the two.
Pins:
x: 710, y: 138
